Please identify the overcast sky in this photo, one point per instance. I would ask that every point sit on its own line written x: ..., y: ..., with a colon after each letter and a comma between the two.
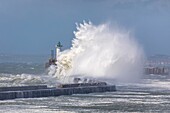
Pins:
x: 35, y: 26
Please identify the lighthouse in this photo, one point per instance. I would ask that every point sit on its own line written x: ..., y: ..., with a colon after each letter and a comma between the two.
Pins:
x: 53, y: 60
x: 58, y: 48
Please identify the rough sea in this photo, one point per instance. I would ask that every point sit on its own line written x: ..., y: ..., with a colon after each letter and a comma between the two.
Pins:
x: 149, y: 94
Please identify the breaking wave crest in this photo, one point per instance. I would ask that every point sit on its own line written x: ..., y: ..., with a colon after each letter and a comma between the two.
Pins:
x: 101, y: 52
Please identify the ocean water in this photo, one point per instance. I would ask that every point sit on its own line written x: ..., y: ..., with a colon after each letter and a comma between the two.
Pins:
x: 149, y: 94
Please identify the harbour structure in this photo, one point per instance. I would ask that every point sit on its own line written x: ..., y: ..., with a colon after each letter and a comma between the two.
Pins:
x: 157, y: 65
x: 156, y: 70
x: 63, y: 89
x: 7, y: 93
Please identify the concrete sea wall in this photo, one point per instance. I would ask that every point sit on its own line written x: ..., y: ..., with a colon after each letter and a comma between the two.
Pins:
x: 47, y: 92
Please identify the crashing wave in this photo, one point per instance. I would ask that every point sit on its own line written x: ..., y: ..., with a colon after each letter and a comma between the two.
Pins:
x: 100, y: 52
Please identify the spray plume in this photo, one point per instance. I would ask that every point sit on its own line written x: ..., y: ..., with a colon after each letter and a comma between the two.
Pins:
x: 101, y: 52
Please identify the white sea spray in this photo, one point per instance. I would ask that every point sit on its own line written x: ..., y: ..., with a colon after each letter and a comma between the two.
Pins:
x: 101, y: 52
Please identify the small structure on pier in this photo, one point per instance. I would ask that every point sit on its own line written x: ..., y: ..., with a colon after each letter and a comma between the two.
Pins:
x: 157, y: 70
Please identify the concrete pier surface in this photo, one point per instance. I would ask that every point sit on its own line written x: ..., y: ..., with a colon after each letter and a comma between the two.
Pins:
x: 43, y: 91
x: 20, y: 88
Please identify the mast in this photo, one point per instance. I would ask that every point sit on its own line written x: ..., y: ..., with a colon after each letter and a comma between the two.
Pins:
x: 52, y: 54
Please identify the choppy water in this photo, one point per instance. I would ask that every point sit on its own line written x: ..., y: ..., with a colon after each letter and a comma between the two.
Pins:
x: 152, y: 97
x: 150, y: 94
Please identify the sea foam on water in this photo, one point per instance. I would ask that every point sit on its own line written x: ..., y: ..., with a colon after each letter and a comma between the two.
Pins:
x: 101, y: 52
